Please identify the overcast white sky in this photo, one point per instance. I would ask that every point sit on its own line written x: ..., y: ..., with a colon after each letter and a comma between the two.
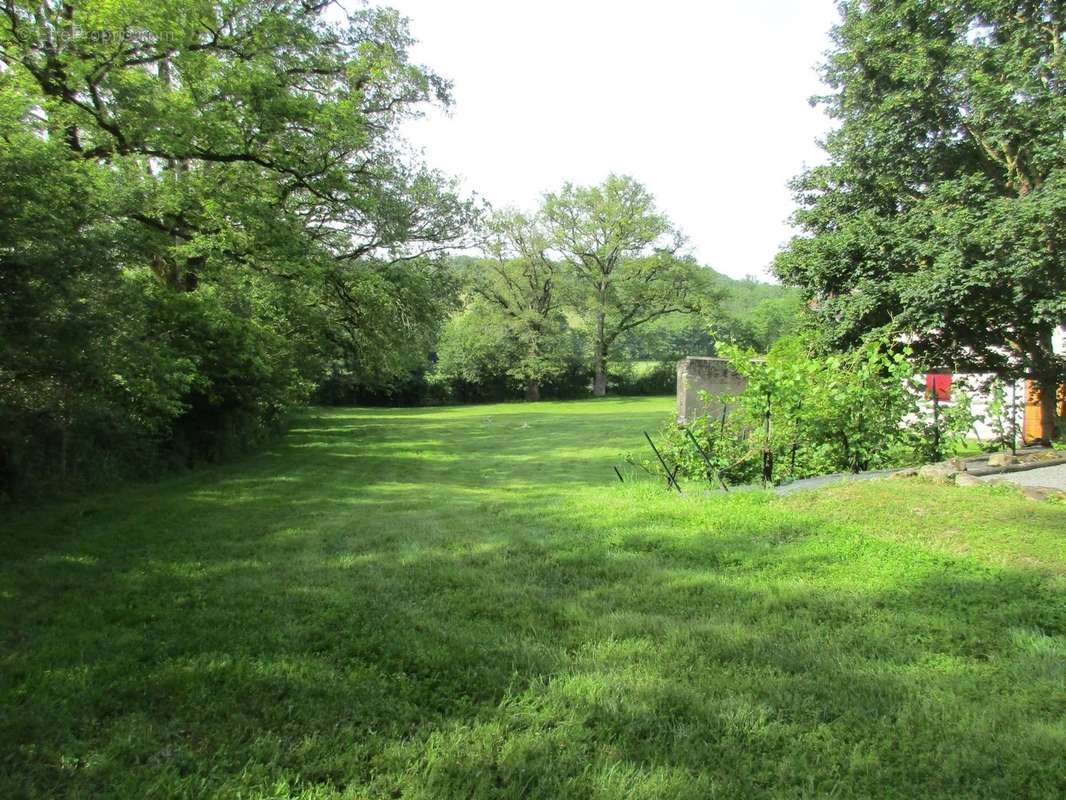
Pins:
x: 705, y: 103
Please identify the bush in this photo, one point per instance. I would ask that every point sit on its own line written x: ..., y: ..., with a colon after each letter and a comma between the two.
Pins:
x: 643, y: 378
x: 803, y: 415
x: 480, y: 357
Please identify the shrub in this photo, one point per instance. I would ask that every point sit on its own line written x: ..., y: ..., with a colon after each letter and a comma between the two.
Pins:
x: 642, y: 378
x: 803, y: 414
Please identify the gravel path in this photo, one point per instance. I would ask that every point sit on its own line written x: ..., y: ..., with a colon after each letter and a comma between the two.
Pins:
x: 1050, y: 477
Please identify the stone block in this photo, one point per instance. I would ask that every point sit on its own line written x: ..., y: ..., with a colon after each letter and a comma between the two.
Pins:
x: 711, y: 375
x: 938, y: 473
x: 1002, y: 460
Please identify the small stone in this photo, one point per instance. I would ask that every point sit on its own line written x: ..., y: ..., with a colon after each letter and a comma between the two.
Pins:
x: 1037, y: 492
x: 1001, y: 460
x: 909, y: 472
x: 1042, y: 455
x: 938, y: 473
x: 962, y: 479
x: 1042, y: 493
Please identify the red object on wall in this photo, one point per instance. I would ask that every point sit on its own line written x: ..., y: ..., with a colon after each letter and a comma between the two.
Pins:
x: 939, y: 382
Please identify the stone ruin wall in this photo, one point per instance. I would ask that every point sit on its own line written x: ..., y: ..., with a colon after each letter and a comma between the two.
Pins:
x: 711, y: 375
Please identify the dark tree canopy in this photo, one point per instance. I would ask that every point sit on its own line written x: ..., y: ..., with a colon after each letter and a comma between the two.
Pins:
x: 941, y: 215
x: 213, y: 199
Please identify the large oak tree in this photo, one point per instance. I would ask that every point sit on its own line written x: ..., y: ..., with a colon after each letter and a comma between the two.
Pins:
x: 626, y: 259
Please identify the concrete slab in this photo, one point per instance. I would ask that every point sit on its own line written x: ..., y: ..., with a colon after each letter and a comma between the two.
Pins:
x: 1053, y: 477
x: 711, y: 375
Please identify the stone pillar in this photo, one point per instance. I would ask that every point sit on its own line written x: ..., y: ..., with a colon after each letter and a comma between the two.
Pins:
x: 711, y: 375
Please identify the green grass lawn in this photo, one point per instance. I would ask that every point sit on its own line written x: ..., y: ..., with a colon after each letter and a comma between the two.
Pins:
x: 464, y: 602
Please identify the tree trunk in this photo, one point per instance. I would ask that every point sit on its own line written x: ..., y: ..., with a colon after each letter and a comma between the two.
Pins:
x: 1048, y: 388
x: 1047, y: 381
x: 532, y: 390
x: 64, y: 447
x: 599, y: 383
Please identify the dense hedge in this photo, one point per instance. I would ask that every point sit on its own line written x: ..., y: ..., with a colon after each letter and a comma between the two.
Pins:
x: 639, y: 379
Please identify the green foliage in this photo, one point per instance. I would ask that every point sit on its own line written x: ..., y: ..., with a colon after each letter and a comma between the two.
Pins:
x: 944, y: 427
x: 666, y: 339
x: 941, y: 214
x: 811, y: 414
x: 203, y: 206
x: 637, y: 378
x: 474, y: 355
x: 751, y: 314
x: 625, y: 259
x: 464, y: 602
x: 728, y: 454
x: 755, y: 315
x: 747, y: 313
x: 381, y: 319
x: 1001, y: 415
x: 592, y: 282
x: 853, y: 409
x: 482, y: 355
x: 520, y: 282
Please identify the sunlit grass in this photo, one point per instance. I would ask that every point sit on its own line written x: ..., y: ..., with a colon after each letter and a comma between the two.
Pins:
x: 464, y: 602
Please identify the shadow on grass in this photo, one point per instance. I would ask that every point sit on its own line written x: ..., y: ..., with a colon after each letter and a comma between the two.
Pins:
x: 445, y: 631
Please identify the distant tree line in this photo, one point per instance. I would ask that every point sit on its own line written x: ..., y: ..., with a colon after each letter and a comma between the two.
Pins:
x: 591, y: 294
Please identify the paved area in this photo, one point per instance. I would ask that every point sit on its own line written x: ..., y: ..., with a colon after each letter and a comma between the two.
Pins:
x: 1050, y: 477
x: 825, y: 480
x: 1053, y: 477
